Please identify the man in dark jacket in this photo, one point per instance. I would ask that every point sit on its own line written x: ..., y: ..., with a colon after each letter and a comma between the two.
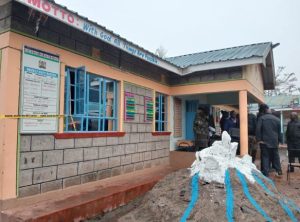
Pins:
x: 293, y: 138
x: 268, y: 136
x: 251, y: 135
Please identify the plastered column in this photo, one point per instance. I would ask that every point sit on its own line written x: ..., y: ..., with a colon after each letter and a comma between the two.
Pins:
x: 243, y: 122
x: 9, y: 101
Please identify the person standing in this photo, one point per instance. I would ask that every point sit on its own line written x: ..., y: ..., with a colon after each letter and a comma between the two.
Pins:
x: 201, y: 129
x: 251, y: 135
x: 293, y: 139
x: 231, y: 122
x: 268, y: 136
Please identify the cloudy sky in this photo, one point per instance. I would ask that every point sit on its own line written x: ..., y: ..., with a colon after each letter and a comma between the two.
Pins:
x: 189, y: 26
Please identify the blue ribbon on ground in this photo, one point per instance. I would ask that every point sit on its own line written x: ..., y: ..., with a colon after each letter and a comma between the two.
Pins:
x: 250, y: 198
x: 229, y: 197
x: 194, y: 198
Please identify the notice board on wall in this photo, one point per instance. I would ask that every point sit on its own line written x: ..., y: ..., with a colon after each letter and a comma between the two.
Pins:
x: 39, y: 93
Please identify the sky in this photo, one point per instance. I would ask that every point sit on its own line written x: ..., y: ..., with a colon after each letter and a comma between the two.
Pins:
x: 183, y: 27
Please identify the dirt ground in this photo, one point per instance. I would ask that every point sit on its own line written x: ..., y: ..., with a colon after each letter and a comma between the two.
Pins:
x: 169, y: 198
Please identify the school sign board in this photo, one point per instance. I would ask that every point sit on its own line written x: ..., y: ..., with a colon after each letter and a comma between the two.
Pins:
x: 39, y: 90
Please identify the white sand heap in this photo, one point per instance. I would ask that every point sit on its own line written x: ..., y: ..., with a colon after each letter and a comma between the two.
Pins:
x: 211, y: 163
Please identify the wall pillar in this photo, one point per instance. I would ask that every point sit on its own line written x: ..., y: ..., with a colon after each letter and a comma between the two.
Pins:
x: 243, y: 122
x: 9, y: 105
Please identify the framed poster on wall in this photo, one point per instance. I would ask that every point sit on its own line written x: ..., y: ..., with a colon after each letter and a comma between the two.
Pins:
x: 39, y: 93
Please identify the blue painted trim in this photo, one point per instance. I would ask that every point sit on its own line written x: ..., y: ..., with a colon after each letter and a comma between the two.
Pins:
x: 194, y: 198
x: 281, y: 202
x: 250, y: 198
x: 229, y: 197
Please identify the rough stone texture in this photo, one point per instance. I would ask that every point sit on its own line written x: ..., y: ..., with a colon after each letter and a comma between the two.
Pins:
x: 85, y: 167
x: 112, y: 141
x: 99, y: 141
x: 44, y: 174
x: 29, y: 190
x: 53, y: 157
x: 25, y: 143
x: 85, y: 142
x: 134, y: 138
x: 101, y: 164
x: 142, y: 147
x: 72, y: 181
x: 147, y: 164
x: 25, y: 177
x: 52, y: 185
x: 128, y: 168
x: 124, y: 139
x: 67, y: 170
x: 90, y: 153
x: 64, y: 143
x: 147, y: 156
x: 130, y: 148
x: 135, y: 157
x: 104, y: 174
x: 44, y: 142
x: 73, y: 155
x: 114, y: 161
x: 30, y: 160
x: 89, y: 177
x: 138, y: 166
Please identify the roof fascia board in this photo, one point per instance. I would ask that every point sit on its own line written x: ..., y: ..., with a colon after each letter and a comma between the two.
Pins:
x: 220, y: 65
x: 266, y: 53
x: 83, y: 24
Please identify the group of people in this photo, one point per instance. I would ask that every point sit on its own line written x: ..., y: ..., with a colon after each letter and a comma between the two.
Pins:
x: 264, y: 130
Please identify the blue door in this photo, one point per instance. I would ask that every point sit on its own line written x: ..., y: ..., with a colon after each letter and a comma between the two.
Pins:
x: 191, y: 109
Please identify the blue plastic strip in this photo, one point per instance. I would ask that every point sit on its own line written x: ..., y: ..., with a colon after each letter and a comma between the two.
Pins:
x: 229, y: 197
x: 250, y: 198
x: 194, y: 198
x: 284, y: 206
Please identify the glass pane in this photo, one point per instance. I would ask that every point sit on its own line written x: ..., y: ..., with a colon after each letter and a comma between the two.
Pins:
x: 93, y: 124
x: 74, y: 123
x: 94, y: 82
x: 79, y: 106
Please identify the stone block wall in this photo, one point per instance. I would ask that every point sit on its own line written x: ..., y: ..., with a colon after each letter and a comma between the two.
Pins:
x: 48, y: 164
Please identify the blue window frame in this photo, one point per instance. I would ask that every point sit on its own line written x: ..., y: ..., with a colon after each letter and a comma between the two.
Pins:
x: 90, y: 102
x: 161, y: 122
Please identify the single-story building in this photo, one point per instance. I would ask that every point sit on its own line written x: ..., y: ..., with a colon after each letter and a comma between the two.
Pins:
x: 79, y: 103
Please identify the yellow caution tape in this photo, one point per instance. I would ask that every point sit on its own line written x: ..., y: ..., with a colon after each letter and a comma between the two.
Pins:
x: 29, y: 116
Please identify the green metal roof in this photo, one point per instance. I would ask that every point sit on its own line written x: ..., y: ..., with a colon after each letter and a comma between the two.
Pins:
x: 222, y: 55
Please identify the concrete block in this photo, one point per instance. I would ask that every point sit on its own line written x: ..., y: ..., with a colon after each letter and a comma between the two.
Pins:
x: 142, y: 128
x: 72, y: 181
x: 142, y: 137
x: 101, y: 164
x: 134, y: 127
x: 104, y: 174
x: 52, y: 185
x: 86, y: 167
x: 112, y: 141
x: 148, y: 164
x: 67, y: 170
x: 44, y: 174
x: 140, y: 109
x: 25, y: 143
x: 149, y: 127
x: 128, y: 168
x: 135, y: 157
x: 25, y: 177
x: 124, y: 139
x: 130, y: 148
x: 134, y: 138
x: 133, y: 89
x: 149, y: 93
x: 142, y: 156
x: 118, y: 150
x: 142, y: 118
x: 127, y: 88
x: 166, y: 152
x: 42, y: 142
x: 83, y: 142
x: 154, y: 154
x: 114, y: 162
x: 141, y: 91
x: 139, y: 166
x: 90, y: 153
x: 89, y: 177
x: 29, y: 190
x: 148, y: 137
x: 105, y: 151
x: 150, y: 146
x: 30, y: 160
x: 126, y: 159
x: 127, y: 127
x: 73, y: 155
x: 147, y: 156
x: 101, y: 141
x: 53, y: 157
x: 158, y: 145
x: 142, y: 147
x: 141, y: 100
x: 116, y: 171
x: 64, y: 143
